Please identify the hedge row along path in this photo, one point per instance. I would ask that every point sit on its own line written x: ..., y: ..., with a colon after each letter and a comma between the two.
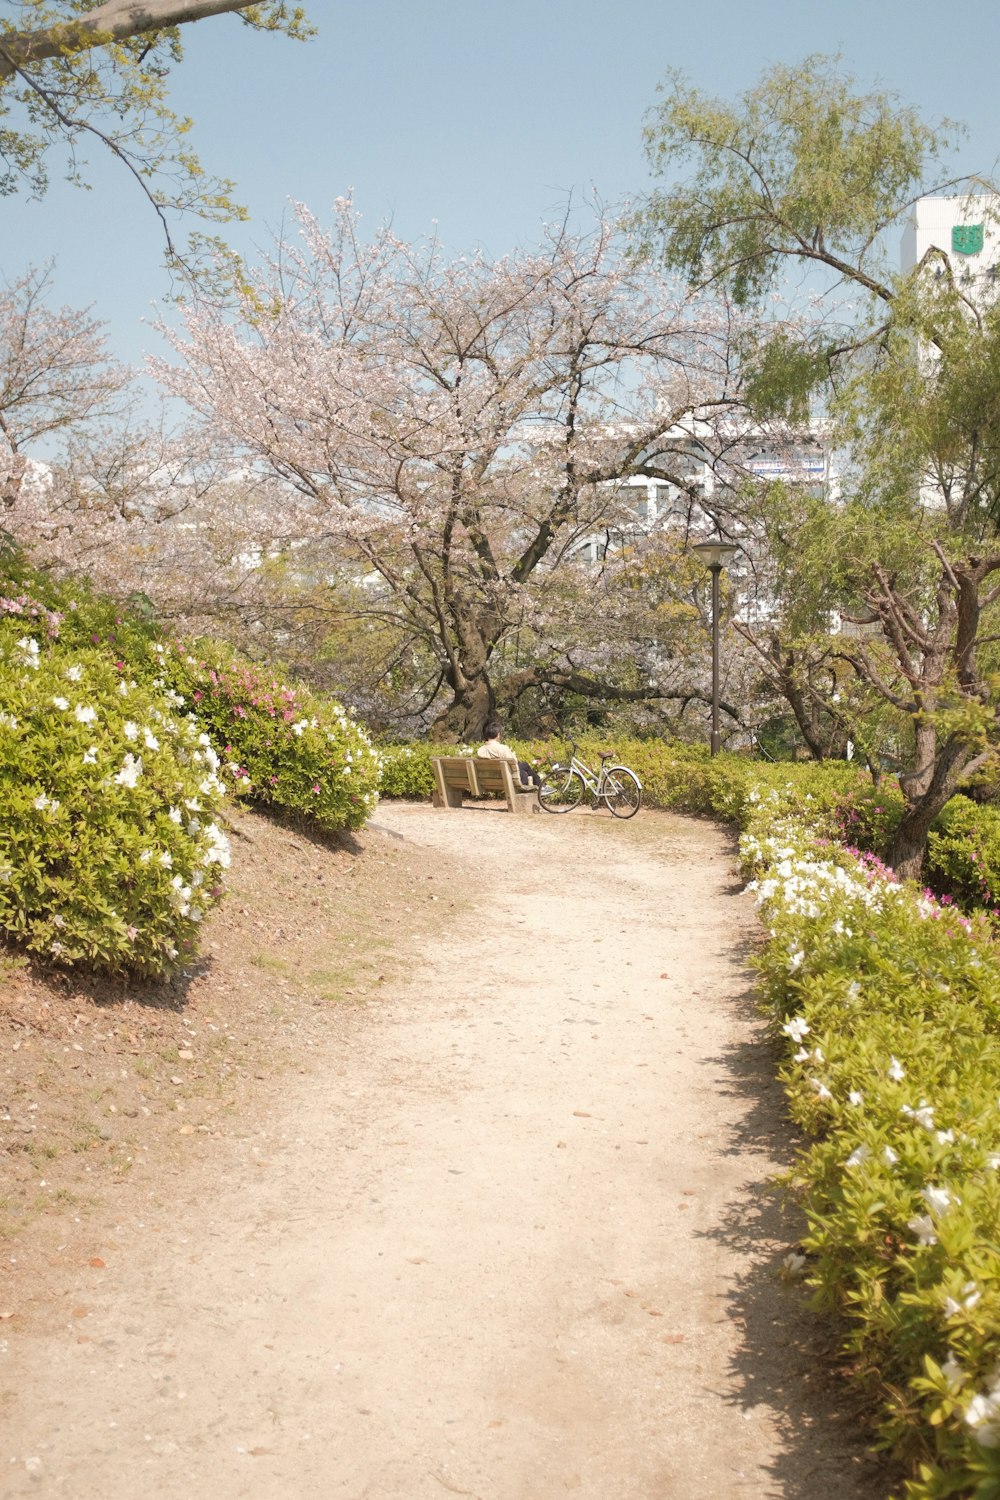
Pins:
x: 504, y: 1232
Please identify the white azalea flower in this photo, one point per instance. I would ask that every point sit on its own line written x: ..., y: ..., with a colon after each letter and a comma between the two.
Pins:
x: 130, y: 730
x: 923, y: 1227
x: 28, y: 650
x: 965, y: 1303
x: 896, y: 1070
x: 796, y: 1028
x: 74, y: 673
x: 130, y: 772
x: 938, y: 1200
x: 923, y: 1114
x: 983, y: 1417
x: 61, y: 703
x: 84, y: 715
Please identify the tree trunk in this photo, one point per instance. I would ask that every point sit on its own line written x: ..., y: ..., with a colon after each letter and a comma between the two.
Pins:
x: 926, y: 791
x: 465, y: 718
x: 909, y: 843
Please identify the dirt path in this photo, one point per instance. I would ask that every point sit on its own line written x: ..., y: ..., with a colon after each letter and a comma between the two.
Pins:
x: 507, y: 1238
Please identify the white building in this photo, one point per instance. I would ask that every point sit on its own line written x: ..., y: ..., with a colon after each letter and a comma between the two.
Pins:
x: 966, y: 228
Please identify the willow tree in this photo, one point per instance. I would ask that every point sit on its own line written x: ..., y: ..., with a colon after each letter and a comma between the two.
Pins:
x: 796, y: 195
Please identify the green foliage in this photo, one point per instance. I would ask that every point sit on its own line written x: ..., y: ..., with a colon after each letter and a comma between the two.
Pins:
x: 406, y: 770
x: 283, y: 745
x: 801, y: 165
x: 111, y: 739
x: 110, y: 849
x: 781, y: 373
x: 888, y: 1004
x: 963, y: 854
x: 67, y: 79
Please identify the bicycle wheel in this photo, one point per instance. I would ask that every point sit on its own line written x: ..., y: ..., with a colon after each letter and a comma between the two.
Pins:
x: 561, y: 790
x: 622, y: 791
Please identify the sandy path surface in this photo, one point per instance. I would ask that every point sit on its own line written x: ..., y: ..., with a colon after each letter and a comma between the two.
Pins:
x: 507, y: 1238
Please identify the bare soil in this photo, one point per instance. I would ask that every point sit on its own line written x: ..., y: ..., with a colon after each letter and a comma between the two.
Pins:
x: 447, y: 1172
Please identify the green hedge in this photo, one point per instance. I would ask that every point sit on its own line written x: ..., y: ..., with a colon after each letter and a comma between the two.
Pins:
x: 887, y: 1003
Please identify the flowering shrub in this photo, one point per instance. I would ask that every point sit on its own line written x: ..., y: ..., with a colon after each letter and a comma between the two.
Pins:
x: 110, y: 852
x: 282, y: 746
x: 406, y: 770
x: 887, y: 1001
x: 963, y: 853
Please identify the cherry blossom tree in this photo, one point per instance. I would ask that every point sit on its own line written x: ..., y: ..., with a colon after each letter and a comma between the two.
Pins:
x: 56, y: 377
x: 456, y: 429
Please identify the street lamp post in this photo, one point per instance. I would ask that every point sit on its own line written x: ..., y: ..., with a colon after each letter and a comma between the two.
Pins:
x: 715, y: 556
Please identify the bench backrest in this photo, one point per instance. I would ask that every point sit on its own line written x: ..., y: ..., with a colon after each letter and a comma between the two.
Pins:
x: 478, y: 773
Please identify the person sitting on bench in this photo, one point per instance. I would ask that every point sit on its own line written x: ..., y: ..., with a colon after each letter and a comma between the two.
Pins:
x: 495, y: 749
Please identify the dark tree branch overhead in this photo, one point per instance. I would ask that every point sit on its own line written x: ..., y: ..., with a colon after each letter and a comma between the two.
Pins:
x: 115, y: 21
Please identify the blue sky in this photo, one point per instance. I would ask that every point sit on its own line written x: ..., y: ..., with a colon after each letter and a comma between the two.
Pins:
x: 481, y: 117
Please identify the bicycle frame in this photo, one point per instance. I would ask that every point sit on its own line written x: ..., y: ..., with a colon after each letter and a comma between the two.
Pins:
x: 594, y: 781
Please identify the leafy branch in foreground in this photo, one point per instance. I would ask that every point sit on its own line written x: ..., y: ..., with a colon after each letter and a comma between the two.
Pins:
x: 70, y: 73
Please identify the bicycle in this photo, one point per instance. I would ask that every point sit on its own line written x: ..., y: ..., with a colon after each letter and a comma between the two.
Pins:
x: 563, y: 786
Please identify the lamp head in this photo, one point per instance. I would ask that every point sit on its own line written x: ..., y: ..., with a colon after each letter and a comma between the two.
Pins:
x: 716, y: 554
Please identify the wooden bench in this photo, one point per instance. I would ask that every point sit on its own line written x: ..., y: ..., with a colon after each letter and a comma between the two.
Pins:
x: 454, y: 775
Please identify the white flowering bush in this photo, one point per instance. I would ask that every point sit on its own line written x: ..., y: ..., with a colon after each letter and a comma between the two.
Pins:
x: 282, y: 745
x: 887, y: 1002
x: 111, y: 850
x: 406, y: 769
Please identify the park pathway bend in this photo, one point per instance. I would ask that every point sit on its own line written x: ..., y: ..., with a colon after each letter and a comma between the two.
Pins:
x: 509, y: 1238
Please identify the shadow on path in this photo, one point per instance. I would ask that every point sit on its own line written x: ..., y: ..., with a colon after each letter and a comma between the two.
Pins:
x: 787, y: 1356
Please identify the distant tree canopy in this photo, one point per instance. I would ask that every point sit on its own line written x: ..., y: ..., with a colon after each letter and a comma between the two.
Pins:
x: 71, y: 71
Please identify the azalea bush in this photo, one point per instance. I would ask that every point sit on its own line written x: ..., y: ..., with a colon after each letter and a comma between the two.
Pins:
x: 406, y: 770
x: 963, y: 853
x: 283, y: 745
x: 111, y: 851
x: 887, y: 1002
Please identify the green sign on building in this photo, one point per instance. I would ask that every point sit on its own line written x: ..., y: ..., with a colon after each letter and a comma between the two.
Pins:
x: 967, y: 239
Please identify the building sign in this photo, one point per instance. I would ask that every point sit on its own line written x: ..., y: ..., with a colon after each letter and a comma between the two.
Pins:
x: 788, y: 468
x: 967, y: 239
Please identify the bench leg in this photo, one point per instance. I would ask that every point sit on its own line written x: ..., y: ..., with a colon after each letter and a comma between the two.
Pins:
x: 444, y: 795
x: 525, y: 802
x: 453, y: 797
